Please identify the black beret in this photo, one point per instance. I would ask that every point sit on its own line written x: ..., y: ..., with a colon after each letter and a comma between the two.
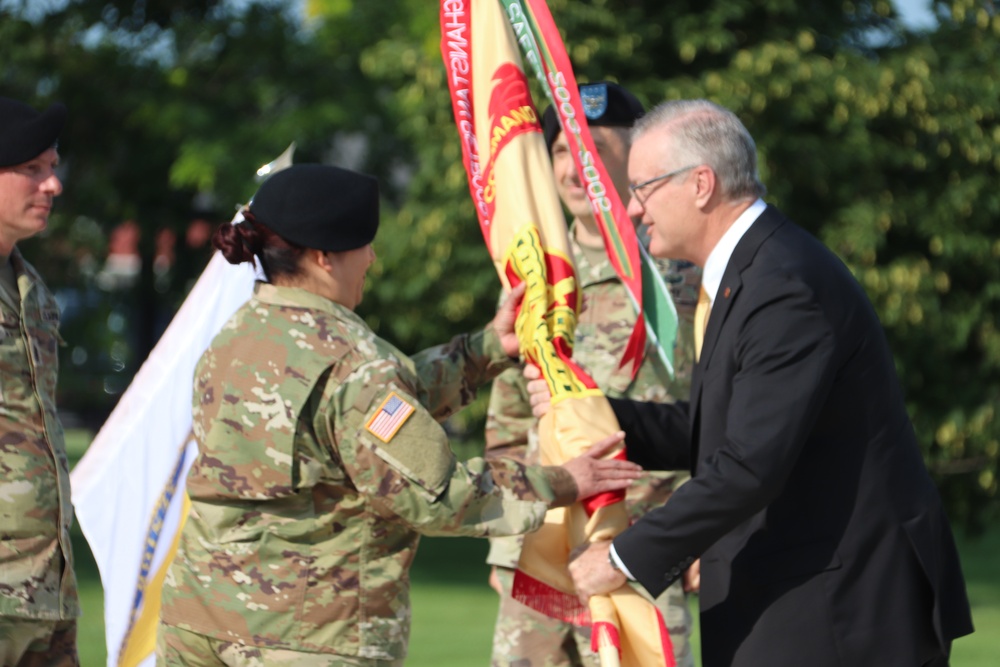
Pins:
x: 319, y: 206
x: 24, y: 133
x: 604, y: 103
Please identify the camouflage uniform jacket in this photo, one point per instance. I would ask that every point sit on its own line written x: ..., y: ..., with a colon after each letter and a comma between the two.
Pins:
x: 603, y: 328
x: 36, y: 558
x: 321, y: 460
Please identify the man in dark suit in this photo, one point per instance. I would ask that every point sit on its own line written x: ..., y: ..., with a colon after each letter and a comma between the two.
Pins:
x: 821, y: 535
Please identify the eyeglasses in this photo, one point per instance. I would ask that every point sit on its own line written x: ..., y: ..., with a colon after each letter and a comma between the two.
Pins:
x: 635, y: 189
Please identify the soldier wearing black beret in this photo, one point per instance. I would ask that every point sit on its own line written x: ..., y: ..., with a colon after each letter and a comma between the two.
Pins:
x: 320, y: 456
x: 300, y: 215
x: 524, y: 637
x: 611, y: 110
x: 27, y: 144
x: 38, y: 598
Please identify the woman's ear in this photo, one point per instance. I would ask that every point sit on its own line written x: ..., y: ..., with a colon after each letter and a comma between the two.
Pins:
x: 321, y: 258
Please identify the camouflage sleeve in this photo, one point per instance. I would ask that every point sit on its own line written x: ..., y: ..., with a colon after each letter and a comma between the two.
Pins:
x: 397, y: 455
x: 509, y: 433
x: 509, y: 418
x: 450, y: 373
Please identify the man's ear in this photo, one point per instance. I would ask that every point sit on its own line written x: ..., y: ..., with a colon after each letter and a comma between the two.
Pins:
x: 706, y: 184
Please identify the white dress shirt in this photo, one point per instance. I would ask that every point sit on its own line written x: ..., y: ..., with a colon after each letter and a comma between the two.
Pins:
x: 711, y: 279
x: 718, y: 259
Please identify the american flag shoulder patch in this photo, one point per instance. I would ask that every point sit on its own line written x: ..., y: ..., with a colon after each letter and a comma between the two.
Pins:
x: 389, y: 417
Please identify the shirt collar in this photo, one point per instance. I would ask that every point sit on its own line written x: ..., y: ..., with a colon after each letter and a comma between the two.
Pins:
x: 718, y: 259
x: 296, y: 297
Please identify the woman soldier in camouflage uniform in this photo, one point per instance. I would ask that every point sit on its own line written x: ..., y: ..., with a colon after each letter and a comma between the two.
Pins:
x: 321, y: 456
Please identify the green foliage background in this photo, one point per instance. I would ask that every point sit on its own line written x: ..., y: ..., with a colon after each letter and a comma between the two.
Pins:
x: 883, y: 142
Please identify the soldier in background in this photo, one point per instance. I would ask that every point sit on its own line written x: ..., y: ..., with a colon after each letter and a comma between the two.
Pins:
x: 321, y: 459
x: 523, y: 636
x: 38, y: 598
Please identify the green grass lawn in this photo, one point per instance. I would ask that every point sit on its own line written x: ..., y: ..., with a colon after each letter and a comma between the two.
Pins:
x: 454, y: 609
x: 981, y: 565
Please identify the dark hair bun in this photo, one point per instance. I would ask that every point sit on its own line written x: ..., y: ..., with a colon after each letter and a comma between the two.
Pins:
x: 238, y: 243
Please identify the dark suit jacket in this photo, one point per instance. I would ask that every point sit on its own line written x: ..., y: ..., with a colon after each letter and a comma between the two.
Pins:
x: 821, y: 535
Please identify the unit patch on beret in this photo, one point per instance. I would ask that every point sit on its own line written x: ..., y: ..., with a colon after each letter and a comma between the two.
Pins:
x: 594, y: 98
x: 389, y: 417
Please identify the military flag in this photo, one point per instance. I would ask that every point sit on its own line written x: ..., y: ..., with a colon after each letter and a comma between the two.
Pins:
x: 128, y: 490
x: 510, y: 180
x: 656, y: 313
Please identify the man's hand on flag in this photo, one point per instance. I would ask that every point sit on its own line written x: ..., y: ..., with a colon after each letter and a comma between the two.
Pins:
x: 593, y: 474
x: 591, y: 570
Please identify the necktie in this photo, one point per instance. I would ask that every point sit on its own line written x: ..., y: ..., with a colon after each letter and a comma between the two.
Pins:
x: 701, y: 312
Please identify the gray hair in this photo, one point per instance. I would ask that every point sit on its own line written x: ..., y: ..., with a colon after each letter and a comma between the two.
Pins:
x: 703, y: 132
